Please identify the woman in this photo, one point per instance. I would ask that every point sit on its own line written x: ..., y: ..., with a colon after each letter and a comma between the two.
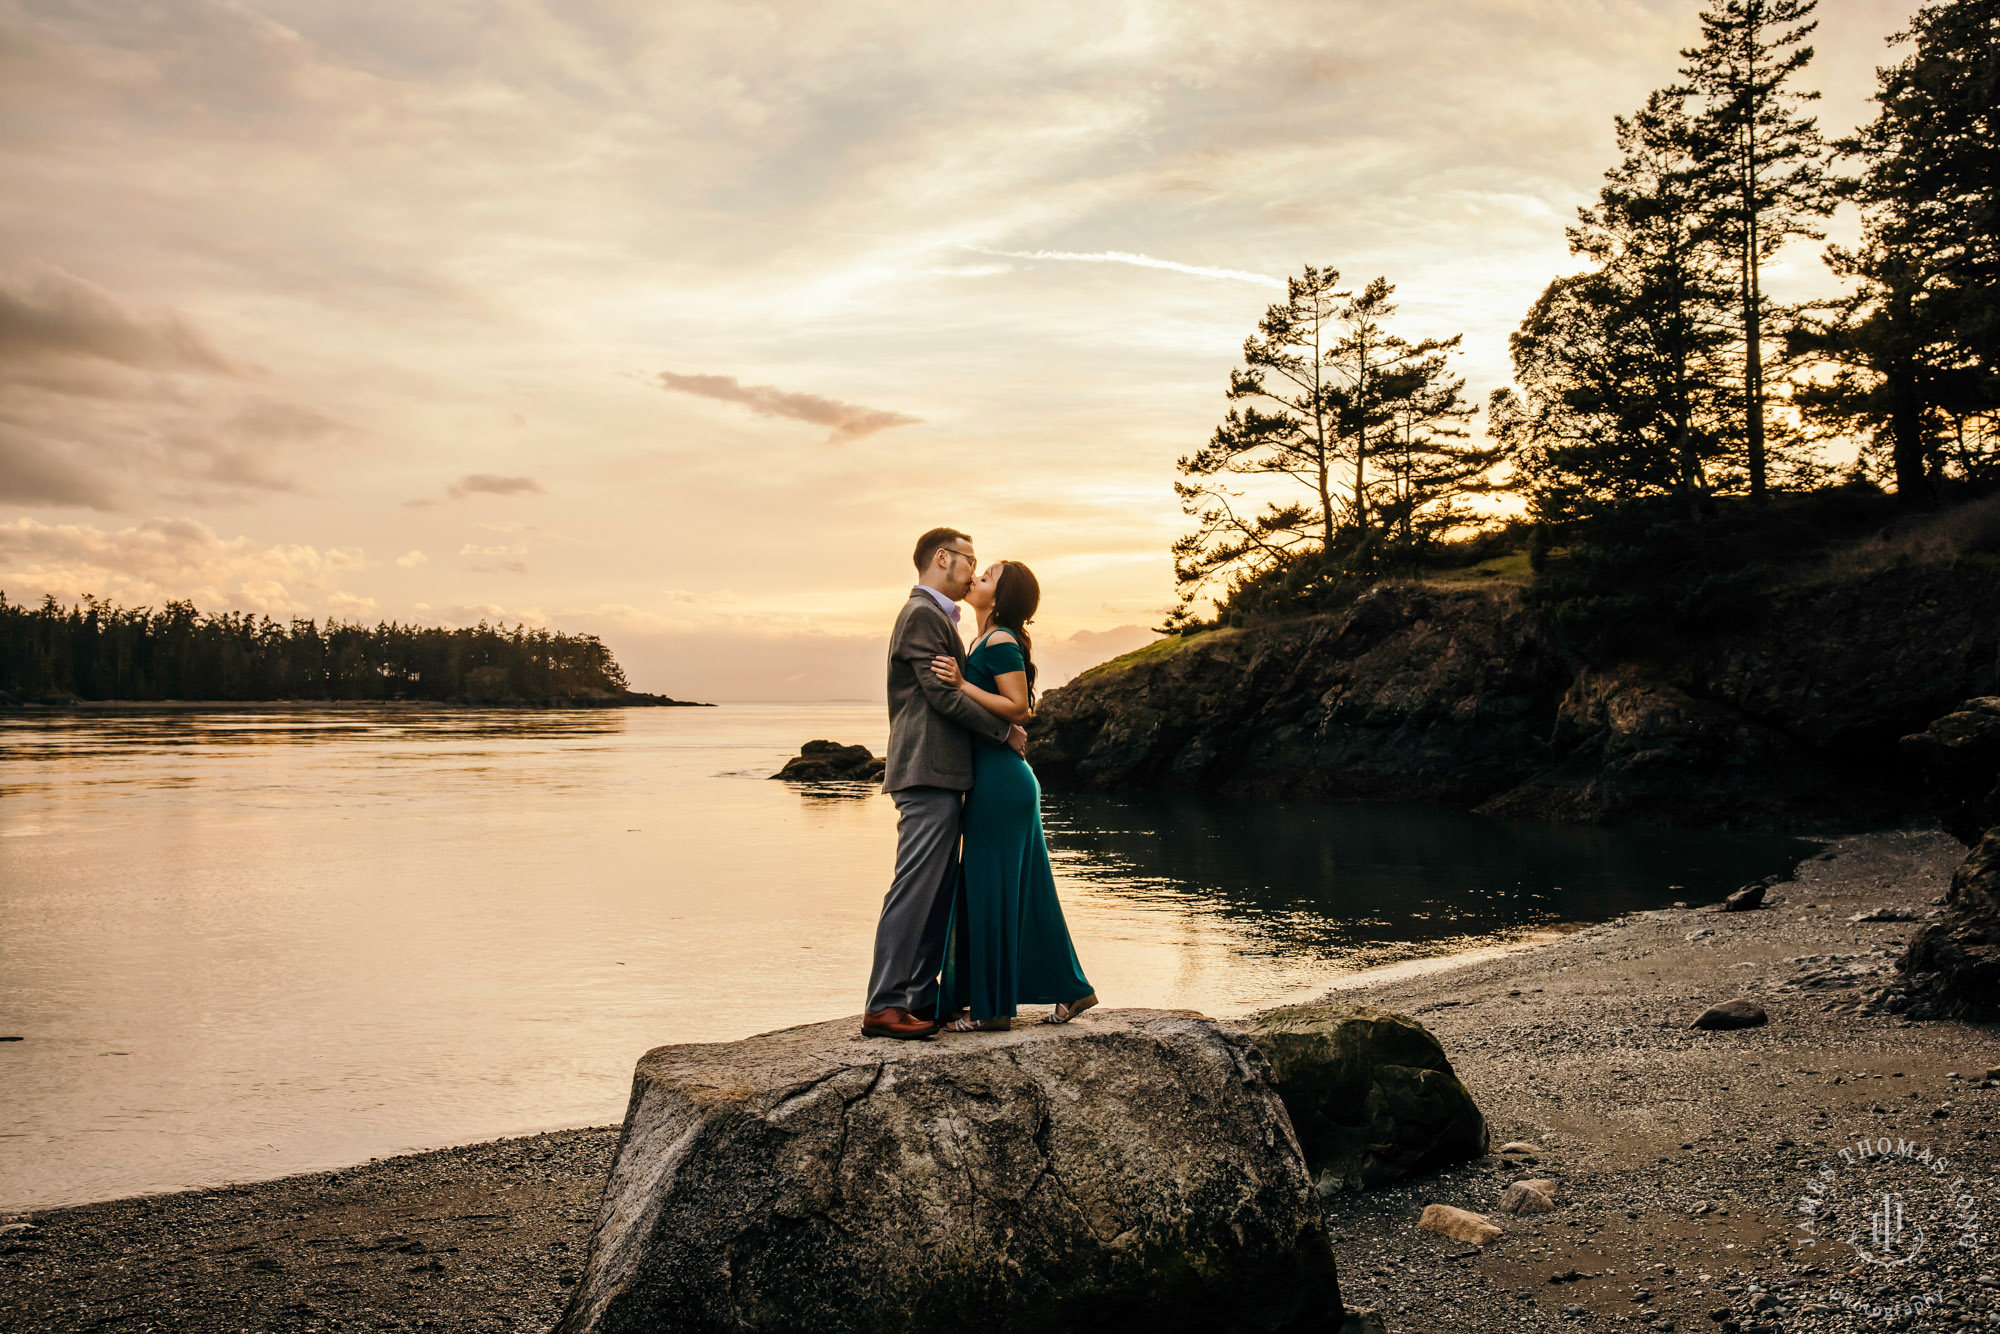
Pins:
x: 1007, y: 943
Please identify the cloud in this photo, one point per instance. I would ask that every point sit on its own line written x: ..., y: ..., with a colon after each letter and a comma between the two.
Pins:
x: 490, y: 484
x: 474, y: 549
x: 481, y: 484
x: 48, y: 313
x: 1139, y: 261
x: 104, y: 399
x: 848, y: 420
x: 410, y: 560
x: 161, y: 559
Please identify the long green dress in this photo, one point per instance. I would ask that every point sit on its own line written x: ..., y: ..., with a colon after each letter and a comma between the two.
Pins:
x: 1007, y: 944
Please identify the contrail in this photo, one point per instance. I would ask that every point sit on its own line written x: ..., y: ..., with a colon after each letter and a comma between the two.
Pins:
x: 1141, y: 261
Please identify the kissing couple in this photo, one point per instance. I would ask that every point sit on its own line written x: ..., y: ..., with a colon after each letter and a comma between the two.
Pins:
x: 966, y: 936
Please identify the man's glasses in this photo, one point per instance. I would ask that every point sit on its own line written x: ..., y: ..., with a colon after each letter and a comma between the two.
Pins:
x: 954, y: 551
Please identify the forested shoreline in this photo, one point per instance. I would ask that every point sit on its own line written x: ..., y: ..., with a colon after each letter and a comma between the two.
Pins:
x: 95, y: 651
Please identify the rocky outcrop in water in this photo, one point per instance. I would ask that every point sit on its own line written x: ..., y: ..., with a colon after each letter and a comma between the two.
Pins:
x: 1134, y: 1170
x: 831, y: 762
x: 1467, y: 696
x: 1371, y: 1094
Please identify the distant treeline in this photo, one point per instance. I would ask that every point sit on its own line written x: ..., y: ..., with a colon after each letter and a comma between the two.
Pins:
x: 97, y: 651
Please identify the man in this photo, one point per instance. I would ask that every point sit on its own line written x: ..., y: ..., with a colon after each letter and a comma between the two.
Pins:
x: 929, y: 770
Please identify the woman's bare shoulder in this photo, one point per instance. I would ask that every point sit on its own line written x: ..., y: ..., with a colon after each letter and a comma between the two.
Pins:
x: 1001, y: 637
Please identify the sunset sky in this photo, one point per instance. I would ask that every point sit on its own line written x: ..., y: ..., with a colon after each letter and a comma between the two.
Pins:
x: 678, y: 322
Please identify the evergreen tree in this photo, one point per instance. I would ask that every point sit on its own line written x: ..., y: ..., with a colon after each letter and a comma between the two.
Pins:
x: 1375, y: 379
x: 1286, y: 427
x: 1916, y: 345
x: 1428, y: 463
x: 1766, y: 166
x: 1323, y: 391
x: 1625, y: 379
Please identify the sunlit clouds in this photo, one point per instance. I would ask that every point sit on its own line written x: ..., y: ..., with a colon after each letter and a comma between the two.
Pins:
x: 709, y: 309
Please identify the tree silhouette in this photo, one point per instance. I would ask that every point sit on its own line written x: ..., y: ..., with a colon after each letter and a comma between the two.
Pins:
x: 1916, y: 345
x: 1765, y: 161
x: 1323, y: 392
x: 1623, y: 370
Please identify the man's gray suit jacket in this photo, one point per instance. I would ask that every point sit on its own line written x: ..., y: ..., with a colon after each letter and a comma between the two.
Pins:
x: 931, y: 725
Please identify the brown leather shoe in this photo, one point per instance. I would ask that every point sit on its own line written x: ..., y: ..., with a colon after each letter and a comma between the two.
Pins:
x: 896, y: 1022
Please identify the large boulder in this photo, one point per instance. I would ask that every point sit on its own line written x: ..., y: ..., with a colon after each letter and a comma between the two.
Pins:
x: 1959, y: 755
x: 1370, y: 1092
x: 1135, y: 1169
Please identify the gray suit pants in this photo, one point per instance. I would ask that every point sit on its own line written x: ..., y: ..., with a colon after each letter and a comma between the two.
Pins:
x: 909, y: 938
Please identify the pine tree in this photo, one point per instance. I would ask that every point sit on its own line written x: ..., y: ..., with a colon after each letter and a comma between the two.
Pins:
x: 1766, y: 163
x: 1626, y: 386
x: 1375, y: 376
x: 1916, y: 345
x: 1286, y: 427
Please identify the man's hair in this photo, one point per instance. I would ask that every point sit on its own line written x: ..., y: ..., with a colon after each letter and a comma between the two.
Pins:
x: 928, y: 544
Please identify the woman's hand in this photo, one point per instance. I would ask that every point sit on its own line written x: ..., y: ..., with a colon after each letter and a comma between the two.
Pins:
x: 947, y: 671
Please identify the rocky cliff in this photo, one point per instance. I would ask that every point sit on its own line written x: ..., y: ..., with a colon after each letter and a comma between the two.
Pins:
x: 1467, y: 696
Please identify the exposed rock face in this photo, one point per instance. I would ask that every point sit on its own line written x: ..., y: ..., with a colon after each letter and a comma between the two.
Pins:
x: 1953, y: 967
x: 1468, y: 697
x: 1134, y: 1169
x: 1960, y: 758
x: 831, y: 762
x: 1370, y: 1092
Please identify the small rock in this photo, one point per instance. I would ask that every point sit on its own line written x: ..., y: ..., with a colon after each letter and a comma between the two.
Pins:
x: 1993, y: 1073
x: 1704, y: 931
x: 1746, y: 898
x: 1459, y: 1224
x: 19, y: 1230
x: 1731, y: 1014
x: 1885, y: 915
x: 1520, y: 1146
x: 1521, y: 1198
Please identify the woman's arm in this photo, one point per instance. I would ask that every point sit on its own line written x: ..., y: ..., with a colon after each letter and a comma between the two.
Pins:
x: 1012, y: 703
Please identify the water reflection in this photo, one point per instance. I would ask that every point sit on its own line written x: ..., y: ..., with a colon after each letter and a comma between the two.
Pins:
x: 1335, y: 879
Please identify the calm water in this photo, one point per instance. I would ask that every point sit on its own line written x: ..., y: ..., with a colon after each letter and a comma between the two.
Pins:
x: 242, y: 944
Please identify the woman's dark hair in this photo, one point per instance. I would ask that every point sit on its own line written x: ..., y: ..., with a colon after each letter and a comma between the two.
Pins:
x: 1016, y: 594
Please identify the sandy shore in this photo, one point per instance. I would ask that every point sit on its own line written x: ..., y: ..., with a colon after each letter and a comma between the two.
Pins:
x: 1680, y: 1157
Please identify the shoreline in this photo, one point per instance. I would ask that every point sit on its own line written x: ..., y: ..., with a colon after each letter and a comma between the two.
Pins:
x: 1678, y: 1154
x: 333, y: 705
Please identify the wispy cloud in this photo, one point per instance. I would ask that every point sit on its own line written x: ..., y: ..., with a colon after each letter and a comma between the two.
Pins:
x: 849, y: 421
x: 490, y: 484
x: 481, y: 484
x: 1138, y: 261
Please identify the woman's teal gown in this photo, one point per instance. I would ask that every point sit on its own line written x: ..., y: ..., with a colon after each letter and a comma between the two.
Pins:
x: 1007, y: 944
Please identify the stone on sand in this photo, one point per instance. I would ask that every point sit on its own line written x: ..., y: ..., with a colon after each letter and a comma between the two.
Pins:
x: 1731, y: 1014
x: 1459, y: 1224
